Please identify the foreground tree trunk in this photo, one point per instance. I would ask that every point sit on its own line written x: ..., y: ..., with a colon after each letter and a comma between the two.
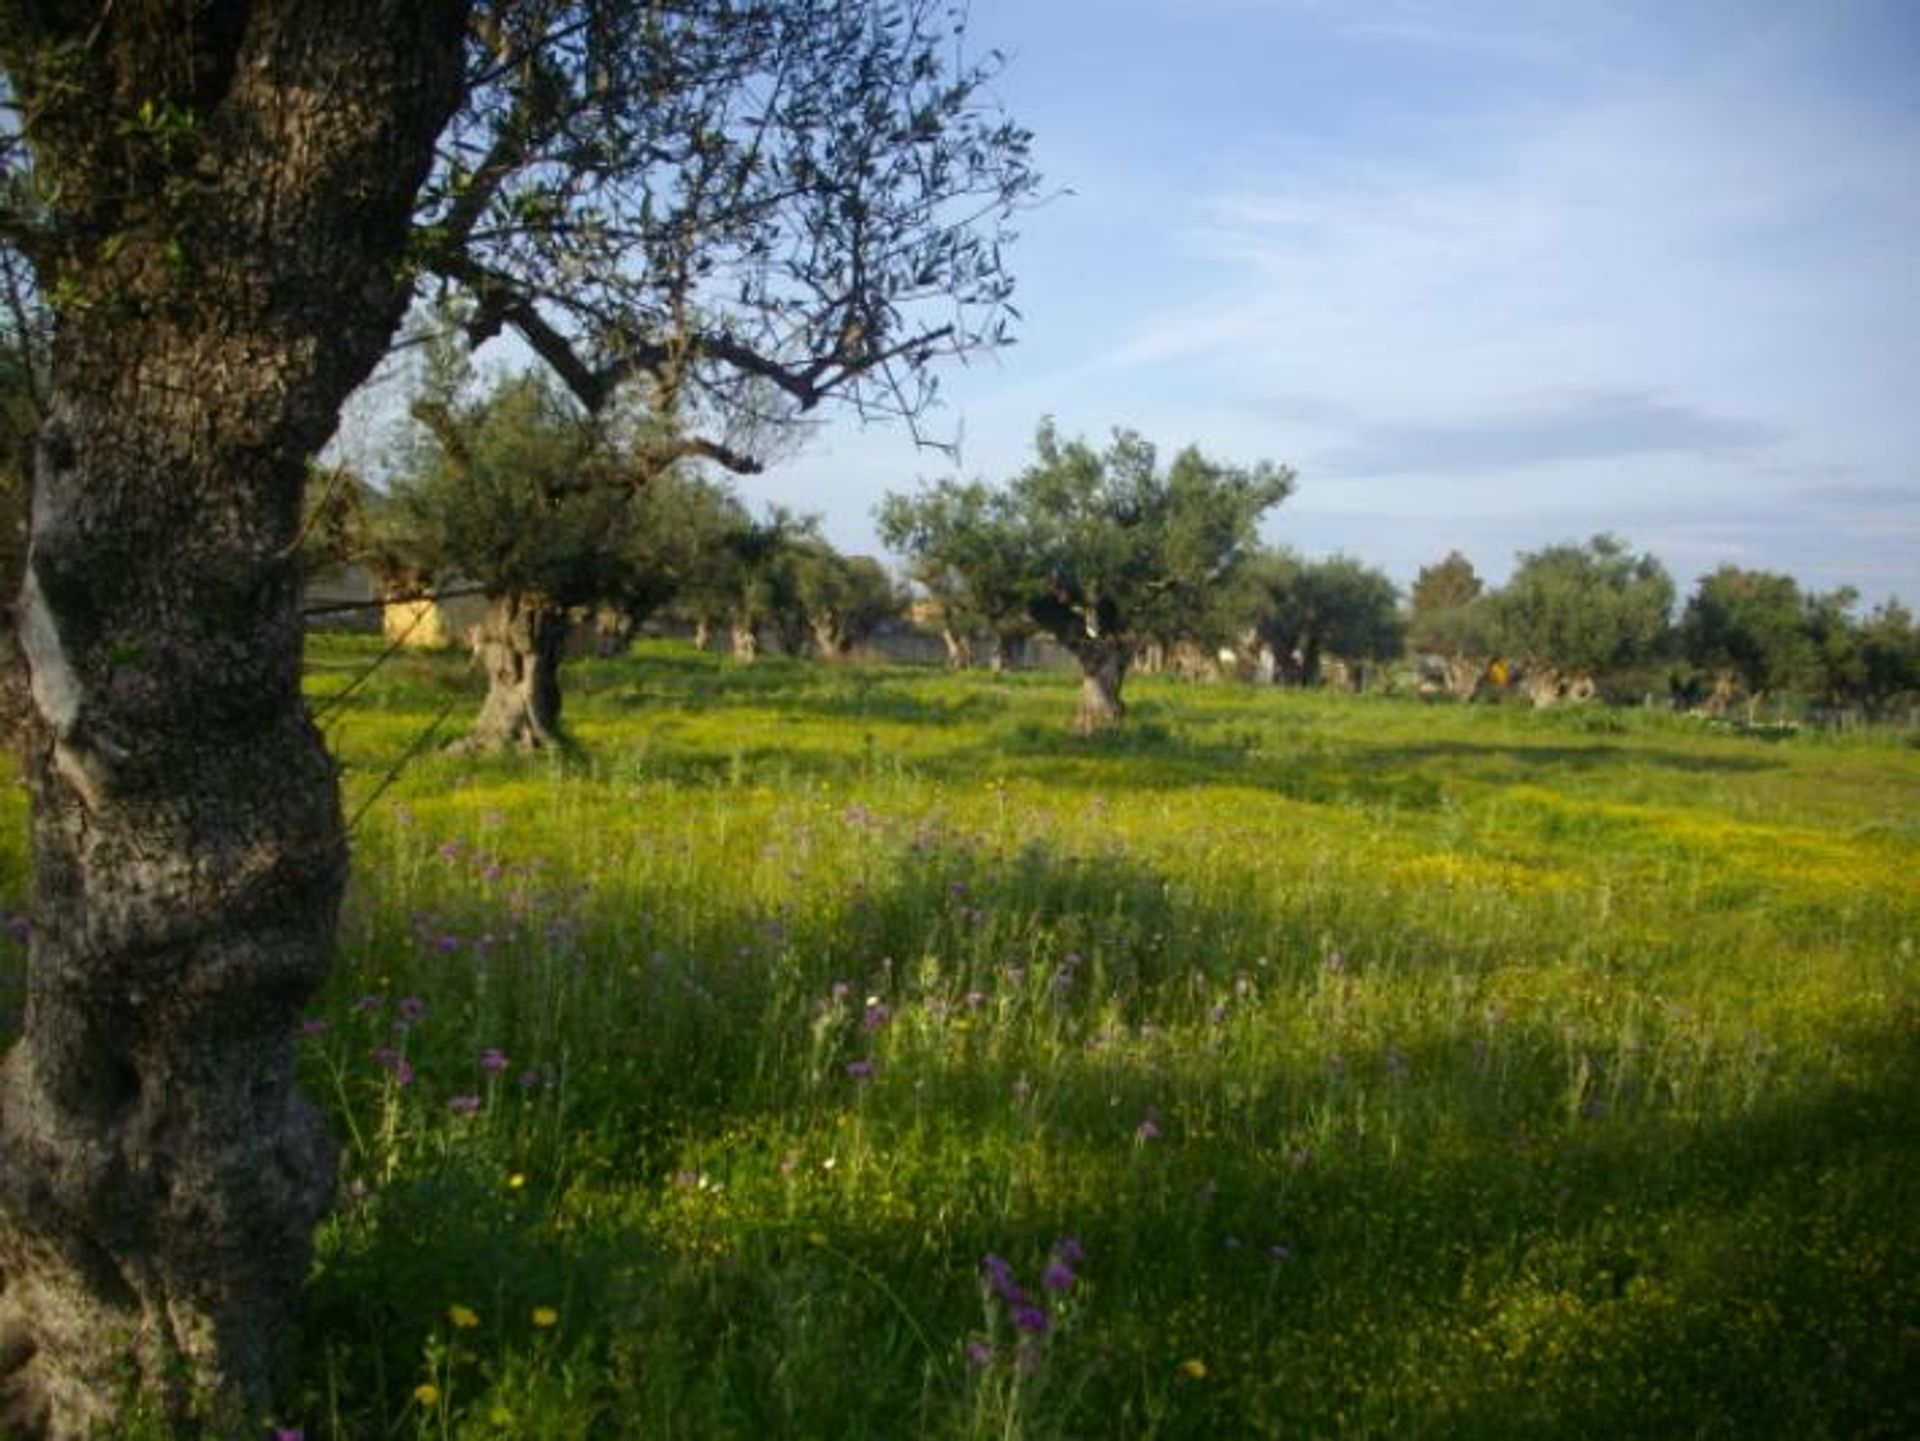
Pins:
x: 520, y: 643
x: 1103, y: 670
x: 159, y: 1176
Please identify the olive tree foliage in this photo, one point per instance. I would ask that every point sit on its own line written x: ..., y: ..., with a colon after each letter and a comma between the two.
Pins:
x: 228, y: 207
x: 1450, y: 623
x: 520, y: 492
x: 1749, y: 626
x: 967, y: 550
x: 1584, y: 612
x: 1120, y: 553
x: 1890, y: 656
x: 1304, y: 611
x: 843, y: 598
x: 1761, y: 633
x: 746, y: 578
x: 749, y: 202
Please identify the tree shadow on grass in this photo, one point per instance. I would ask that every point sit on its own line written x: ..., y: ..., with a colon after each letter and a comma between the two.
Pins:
x: 1520, y: 763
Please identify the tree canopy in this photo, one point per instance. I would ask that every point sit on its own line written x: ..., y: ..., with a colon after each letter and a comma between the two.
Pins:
x: 1306, y: 610
x: 1585, y: 609
x: 1107, y: 551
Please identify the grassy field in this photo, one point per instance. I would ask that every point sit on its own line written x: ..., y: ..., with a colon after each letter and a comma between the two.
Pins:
x: 841, y: 1052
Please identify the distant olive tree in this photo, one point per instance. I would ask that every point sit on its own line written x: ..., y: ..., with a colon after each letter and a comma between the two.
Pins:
x: 1307, y: 610
x: 1119, y: 552
x: 968, y: 551
x: 1584, y: 611
x: 521, y: 492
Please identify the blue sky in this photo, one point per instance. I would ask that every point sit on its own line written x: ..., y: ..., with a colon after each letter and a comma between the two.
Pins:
x: 1489, y: 274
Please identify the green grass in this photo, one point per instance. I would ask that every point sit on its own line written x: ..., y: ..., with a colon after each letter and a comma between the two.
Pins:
x: 1398, y: 1070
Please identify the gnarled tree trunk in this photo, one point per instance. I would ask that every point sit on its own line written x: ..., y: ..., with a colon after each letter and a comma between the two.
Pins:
x: 1103, y: 670
x: 829, y: 637
x: 520, y: 644
x: 746, y: 641
x: 959, y: 648
x: 159, y: 1176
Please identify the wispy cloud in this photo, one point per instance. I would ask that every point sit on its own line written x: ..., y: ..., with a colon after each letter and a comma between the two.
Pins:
x: 1579, y: 426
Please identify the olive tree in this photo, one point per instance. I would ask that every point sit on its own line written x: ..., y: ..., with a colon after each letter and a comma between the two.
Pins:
x: 229, y: 206
x: 523, y: 494
x: 843, y: 597
x: 1305, y: 610
x: 1119, y: 552
x: 967, y: 550
x: 1749, y: 626
x: 1582, y: 612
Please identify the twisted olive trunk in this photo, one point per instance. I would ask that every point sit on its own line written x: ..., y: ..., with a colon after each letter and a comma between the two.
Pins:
x: 160, y: 1177
x: 520, y: 642
x: 1103, y: 670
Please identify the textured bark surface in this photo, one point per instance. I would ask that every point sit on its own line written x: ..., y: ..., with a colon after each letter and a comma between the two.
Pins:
x: 520, y: 644
x: 829, y: 638
x: 159, y: 1176
x: 1103, y: 670
x: 746, y: 642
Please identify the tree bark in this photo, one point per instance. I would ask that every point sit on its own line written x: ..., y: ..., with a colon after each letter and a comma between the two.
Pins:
x: 959, y: 649
x: 829, y: 638
x: 520, y: 643
x: 1103, y: 670
x: 746, y: 641
x: 159, y: 1175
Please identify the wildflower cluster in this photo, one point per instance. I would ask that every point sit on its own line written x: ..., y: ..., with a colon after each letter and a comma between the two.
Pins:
x: 1027, y: 1312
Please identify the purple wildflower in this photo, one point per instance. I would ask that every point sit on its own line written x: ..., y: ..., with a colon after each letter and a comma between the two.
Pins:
x: 1058, y: 1276
x: 861, y: 1070
x: 1280, y: 1253
x: 412, y: 1008
x: 1336, y: 962
x: 979, y: 1355
x: 369, y: 1003
x: 493, y: 1060
x: 315, y: 1026
x: 1069, y: 1249
x: 464, y: 1105
x: 395, y: 1063
x: 1000, y: 1277
x: 449, y: 851
x: 877, y: 1015
x: 1030, y: 1319
x: 1146, y: 1131
x: 1022, y: 1088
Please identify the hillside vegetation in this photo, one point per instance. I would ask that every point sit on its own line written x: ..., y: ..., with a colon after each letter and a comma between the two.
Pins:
x: 836, y: 1051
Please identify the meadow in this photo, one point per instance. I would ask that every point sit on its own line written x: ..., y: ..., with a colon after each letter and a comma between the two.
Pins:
x: 851, y: 1052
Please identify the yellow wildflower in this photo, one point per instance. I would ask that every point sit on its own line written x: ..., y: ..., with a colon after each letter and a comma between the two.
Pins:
x: 1194, y: 1367
x: 426, y: 1393
x: 516, y: 1181
x: 545, y: 1316
x: 462, y: 1317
